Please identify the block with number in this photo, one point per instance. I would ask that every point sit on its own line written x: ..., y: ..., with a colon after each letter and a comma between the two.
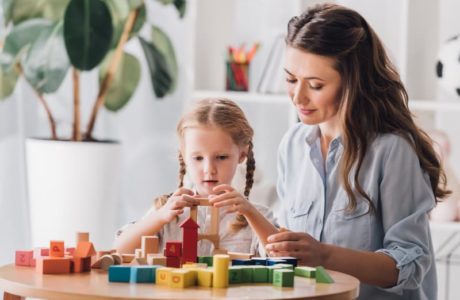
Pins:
x: 24, y: 258
x: 173, y: 249
x: 57, y: 248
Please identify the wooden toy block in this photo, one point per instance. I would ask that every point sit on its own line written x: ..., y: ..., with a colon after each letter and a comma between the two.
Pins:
x: 81, y: 264
x: 82, y: 237
x: 127, y: 258
x: 275, y: 261
x: 259, y: 261
x: 239, y: 255
x: 189, y: 240
x: 173, y: 249
x: 283, y: 278
x: 234, y: 274
x: 84, y: 249
x: 149, y: 244
x: 182, y: 279
x: 173, y: 262
x: 260, y: 274
x: 205, y: 260
x: 138, y: 261
x: 143, y: 274
x: 242, y: 262
x: 163, y: 276
x: 194, y: 266
x: 221, y: 263
x: 24, y: 258
x: 156, y: 259
x: 53, y: 265
x: 247, y: 274
x: 138, y: 253
x: 57, y: 248
x: 215, y: 220
x: 322, y: 276
x: 104, y: 262
x: 117, y: 259
x: 204, y: 277
x: 41, y: 251
x: 70, y: 251
x: 307, y: 272
x: 270, y: 272
x: 119, y: 273
x: 286, y: 266
x: 288, y: 260
x: 101, y: 253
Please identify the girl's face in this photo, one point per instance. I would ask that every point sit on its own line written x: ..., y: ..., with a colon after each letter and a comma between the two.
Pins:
x: 211, y: 157
x: 313, y: 85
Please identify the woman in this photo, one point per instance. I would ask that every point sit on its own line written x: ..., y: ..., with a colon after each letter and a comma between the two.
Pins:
x: 357, y: 177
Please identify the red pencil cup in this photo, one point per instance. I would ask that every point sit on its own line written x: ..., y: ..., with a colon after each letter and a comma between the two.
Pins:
x: 237, y: 76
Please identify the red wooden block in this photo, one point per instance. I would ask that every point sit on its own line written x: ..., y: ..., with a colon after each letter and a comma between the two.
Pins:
x: 24, y: 258
x: 53, y: 265
x: 81, y: 264
x: 173, y: 249
x: 189, y: 240
x: 70, y: 250
x: 84, y: 249
x: 57, y: 248
x: 173, y: 261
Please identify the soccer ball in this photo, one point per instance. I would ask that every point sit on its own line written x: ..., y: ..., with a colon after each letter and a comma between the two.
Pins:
x: 448, y: 66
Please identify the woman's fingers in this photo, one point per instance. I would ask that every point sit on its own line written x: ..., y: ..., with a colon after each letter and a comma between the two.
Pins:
x: 286, y: 236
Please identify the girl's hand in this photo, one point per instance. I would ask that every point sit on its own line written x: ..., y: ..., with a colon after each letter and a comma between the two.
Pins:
x: 296, y: 244
x: 227, y: 196
x: 175, y: 204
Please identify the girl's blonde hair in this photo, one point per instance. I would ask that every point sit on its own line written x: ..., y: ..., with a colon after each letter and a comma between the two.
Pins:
x: 226, y: 115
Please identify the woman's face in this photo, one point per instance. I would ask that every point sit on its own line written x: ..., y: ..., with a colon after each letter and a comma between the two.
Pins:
x: 313, y: 85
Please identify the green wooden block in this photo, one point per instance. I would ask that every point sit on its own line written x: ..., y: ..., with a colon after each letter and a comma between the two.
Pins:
x: 307, y: 272
x: 247, y: 274
x: 322, y: 276
x: 283, y: 278
x: 260, y: 274
x: 270, y: 272
x: 234, y: 274
x: 286, y: 266
x: 205, y: 260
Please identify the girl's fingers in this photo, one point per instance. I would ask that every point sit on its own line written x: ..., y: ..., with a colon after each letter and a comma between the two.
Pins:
x: 223, y: 188
x: 225, y: 203
x: 182, y: 191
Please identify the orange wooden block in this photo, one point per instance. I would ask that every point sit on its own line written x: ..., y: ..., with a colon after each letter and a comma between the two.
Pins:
x: 84, y: 249
x: 53, y: 265
x: 57, y: 248
x: 24, y: 258
x: 81, y: 264
x: 149, y: 244
x: 82, y: 237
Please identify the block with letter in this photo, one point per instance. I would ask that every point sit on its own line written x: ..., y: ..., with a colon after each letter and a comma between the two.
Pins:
x: 24, y: 258
x: 173, y: 249
x: 57, y: 249
x: 221, y: 264
x: 119, y: 273
x: 163, y: 275
x: 283, y: 278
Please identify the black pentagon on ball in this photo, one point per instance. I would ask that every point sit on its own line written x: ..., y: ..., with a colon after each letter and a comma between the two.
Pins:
x: 439, y: 67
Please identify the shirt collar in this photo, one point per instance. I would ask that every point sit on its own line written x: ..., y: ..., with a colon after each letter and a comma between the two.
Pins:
x: 315, y: 134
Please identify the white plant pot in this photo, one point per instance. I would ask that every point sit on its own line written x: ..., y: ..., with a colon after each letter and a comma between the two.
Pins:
x: 72, y: 186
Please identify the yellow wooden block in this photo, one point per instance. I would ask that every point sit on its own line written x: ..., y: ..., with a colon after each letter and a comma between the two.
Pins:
x: 182, y: 278
x: 205, y: 277
x: 163, y: 276
x: 220, y: 265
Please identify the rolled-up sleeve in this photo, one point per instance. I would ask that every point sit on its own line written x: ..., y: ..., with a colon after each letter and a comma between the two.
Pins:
x: 406, y: 198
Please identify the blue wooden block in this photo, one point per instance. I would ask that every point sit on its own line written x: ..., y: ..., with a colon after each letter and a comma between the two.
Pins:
x: 242, y: 262
x: 259, y: 261
x: 289, y: 260
x: 274, y: 261
x: 119, y: 273
x: 143, y: 274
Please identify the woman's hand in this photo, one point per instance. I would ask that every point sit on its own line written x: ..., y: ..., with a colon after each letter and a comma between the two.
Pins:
x: 176, y: 203
x: 300, y: 245
x: 227, y: 196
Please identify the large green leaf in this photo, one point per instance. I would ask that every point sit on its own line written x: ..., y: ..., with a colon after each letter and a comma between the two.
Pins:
x: 180, y: 5
x: 8, y: 78
x: 22, y: 36
x: 87, y: 32
x: 21, y: 10
x: 46, y: 63
x: 140, y: 21
x: 124, y: 82
x: 160, y: 75
x: 133, y: 4
x: 119, y: 10
x: 161, y: 41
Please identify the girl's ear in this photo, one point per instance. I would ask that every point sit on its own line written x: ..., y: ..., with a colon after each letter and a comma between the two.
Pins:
x: 243, y: 154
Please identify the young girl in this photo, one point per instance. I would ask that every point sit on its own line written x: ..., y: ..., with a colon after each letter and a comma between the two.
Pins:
x: 215, y: 137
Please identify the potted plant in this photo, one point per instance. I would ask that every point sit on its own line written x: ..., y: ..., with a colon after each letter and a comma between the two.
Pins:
x: 73, y: 180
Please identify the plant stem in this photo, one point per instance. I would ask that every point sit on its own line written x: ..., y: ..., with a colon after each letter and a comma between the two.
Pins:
x: 45, y: 106
x: 76, y: 136
x: 111, y: 71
